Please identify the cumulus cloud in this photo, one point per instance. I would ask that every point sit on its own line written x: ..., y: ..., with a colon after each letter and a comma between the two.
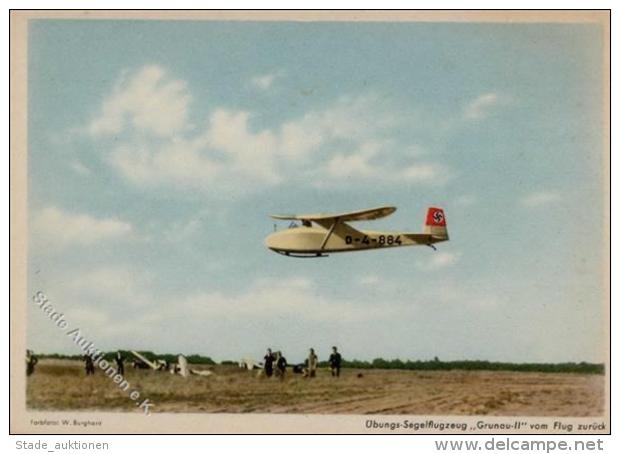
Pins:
x: 53, y: 227
x: 149, y: 100
x: 351, y: 137
x: 360, y: 165
x: 266, y: 310
x: 344, y: 166
x: 113, y: 284
x: 268, y: 298
x: 178, y: 163
x: 122, y: 288
x: 425, y: 173
x: 539, y: 198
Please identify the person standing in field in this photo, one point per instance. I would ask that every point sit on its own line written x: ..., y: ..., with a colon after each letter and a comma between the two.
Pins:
x: 280, y: 365
x: 120, y: 363
x: 89, y: 365
x: 312, y: 362
x: 335, y: 361
x: 268, y: 365
x: 31, y: 361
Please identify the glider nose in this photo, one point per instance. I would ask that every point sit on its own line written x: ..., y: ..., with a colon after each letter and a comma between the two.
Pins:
x: 272, y: 241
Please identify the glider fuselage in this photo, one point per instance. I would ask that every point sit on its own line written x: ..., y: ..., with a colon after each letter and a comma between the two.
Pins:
x: 310, y: 240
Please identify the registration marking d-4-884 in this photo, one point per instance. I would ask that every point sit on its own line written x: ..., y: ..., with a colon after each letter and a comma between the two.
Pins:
x: 381, y: 240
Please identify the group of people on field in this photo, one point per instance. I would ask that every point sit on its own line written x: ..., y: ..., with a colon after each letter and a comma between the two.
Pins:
x: 89, y: 363
x: 275, y: 364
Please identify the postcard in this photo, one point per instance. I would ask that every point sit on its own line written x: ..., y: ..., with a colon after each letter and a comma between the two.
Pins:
x: 310, y: 222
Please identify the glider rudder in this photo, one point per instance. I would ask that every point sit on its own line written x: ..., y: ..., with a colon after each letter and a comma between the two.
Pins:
x: 436, y: 223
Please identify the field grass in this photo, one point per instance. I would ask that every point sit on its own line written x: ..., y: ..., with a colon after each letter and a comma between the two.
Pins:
x: 62, y: 385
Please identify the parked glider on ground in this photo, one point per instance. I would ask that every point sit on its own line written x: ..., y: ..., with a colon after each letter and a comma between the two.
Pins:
x: 320, y: 234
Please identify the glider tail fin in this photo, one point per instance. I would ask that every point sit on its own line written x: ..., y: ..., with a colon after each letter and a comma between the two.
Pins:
x: 436, y: 224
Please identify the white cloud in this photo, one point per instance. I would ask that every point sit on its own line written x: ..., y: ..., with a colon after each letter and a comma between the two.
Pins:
x: 129, y: 310
x: 368, y: 163
x: 425, y: 173
x: 148, y: 100
x: 268, y: 298
x: 369, y: 280
x: 439, y: 260
x: 539, y: 199
x: 122, y: 289
x: 351, y: 137
x: 469, y: 297
x: 179, y: 163
x: 352, y: 165
x: 250, y: 154
x: 362, y: 117
x: 465, y: 200
x: 79, y: 168
x: 359, y: 165
x: 228, y: 151
x: 118, y: 285
x: 481, y: 106
x: 89, y: 316
x: 264, y: 81
x: 181, y: 230
x: 53, y: 227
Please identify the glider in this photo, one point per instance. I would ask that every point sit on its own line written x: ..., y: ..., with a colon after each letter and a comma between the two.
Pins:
x: 320, y: 234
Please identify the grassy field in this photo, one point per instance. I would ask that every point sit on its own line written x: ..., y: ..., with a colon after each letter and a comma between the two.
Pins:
x: 62, y: 385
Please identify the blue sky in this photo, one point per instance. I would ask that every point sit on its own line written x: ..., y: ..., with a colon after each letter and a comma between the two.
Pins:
x: 157, y: 149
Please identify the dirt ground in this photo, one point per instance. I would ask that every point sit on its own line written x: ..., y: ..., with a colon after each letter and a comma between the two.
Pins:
x: 63, y: 385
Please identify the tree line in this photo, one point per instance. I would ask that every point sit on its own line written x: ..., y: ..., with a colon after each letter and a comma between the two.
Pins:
x: 436, y: 364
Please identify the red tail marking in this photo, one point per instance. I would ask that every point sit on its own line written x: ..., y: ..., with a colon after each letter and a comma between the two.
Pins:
x: 435, y: 216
